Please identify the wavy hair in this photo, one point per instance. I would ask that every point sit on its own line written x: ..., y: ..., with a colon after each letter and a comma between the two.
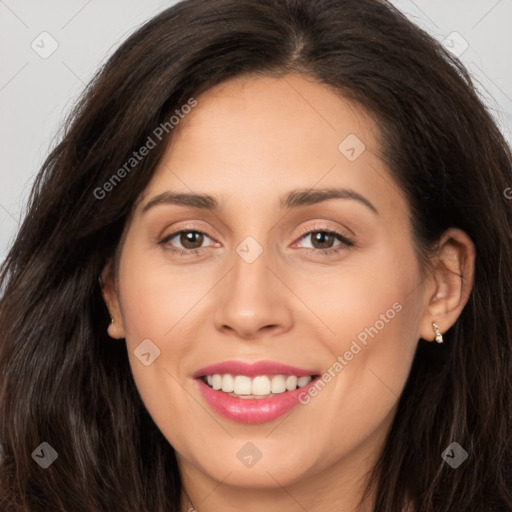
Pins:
x: 63, y: 381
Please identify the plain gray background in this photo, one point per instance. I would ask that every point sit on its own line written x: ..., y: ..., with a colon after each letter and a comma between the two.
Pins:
x: 36, y: 92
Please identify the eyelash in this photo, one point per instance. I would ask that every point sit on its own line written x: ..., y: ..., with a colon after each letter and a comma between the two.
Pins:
x: 346, y: 243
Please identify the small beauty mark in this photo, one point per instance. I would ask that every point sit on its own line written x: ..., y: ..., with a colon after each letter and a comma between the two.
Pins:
x: 454, y: 455
x: 146, y: 352
x: 44, y: 45
x: 45, y: 455
x: 249, y: 455
x: 351, y: 147
x: 249, y: 249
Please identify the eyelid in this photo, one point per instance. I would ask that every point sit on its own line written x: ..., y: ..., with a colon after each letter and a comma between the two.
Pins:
x: 185, y: 227
x: 322, y: 227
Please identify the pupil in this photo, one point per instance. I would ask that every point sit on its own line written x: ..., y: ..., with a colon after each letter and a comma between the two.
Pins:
x: 187, y: 239
x: 322, y: 236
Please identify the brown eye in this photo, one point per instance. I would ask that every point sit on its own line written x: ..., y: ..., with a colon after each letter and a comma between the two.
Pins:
x: 322, y: 239
x: 191, y: 239
x: 185, y: 240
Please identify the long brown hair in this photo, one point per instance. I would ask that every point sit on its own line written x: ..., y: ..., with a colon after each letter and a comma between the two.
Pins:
x: 64, y: 382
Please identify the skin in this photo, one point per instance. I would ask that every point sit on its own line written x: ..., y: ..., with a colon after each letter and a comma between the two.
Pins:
x: 248, y: 143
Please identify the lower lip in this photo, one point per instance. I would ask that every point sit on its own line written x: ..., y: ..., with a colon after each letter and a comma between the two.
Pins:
x: 252, y: 410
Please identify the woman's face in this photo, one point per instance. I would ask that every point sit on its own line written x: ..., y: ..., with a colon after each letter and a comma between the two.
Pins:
x: 256, y: 278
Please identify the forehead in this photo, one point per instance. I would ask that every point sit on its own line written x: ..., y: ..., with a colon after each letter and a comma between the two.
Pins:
x: 255, y: 137
x: 275, y: 110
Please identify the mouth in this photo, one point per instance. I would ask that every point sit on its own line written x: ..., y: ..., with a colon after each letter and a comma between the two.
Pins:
x: 253, y: 393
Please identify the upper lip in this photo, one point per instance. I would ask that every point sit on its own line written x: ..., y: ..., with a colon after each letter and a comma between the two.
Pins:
x: 253, y: 369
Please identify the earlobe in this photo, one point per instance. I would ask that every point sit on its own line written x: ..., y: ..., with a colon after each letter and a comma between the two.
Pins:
x: 109, y: 292
x: 449, y: 285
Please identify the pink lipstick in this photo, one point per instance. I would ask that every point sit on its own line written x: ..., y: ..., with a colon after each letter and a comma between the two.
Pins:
x: 253, y: 393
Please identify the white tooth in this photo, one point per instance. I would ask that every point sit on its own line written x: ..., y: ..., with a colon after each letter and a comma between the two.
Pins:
x: 227, y: 383
x: 261, y: 385
x: 302, y: 381
x: 217, y: 381
x: 209, y: 379
x: 278, y: 384
x: 242, y: 385
x: 291, y: 382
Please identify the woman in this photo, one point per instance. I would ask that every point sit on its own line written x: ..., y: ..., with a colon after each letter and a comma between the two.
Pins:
x: 267, y: 268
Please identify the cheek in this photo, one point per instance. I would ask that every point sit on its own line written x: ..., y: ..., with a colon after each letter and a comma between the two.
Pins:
x: 156, y: 296
x: 373, y: 313
x: 369, y: 296
x: 373, y: 360
x: 154, y: 302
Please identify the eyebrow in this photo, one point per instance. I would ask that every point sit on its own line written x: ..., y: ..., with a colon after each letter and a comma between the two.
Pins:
x: 293, y: 199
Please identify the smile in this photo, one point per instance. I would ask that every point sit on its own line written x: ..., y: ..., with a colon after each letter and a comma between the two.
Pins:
x: 253, y: 393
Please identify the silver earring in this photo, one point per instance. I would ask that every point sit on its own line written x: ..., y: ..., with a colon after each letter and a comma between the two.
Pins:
x: 439, y: 336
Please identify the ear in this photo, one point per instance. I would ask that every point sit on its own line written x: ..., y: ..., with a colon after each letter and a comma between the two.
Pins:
x: 448, y: 287
x: 109, y: 291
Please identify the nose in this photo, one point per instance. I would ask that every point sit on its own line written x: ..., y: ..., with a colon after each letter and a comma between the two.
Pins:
x: 253, y: 302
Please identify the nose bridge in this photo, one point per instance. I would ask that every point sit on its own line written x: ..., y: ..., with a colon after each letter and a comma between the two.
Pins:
x: 251, y: 298
x: 249, y: 281
x: 250, y: 270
